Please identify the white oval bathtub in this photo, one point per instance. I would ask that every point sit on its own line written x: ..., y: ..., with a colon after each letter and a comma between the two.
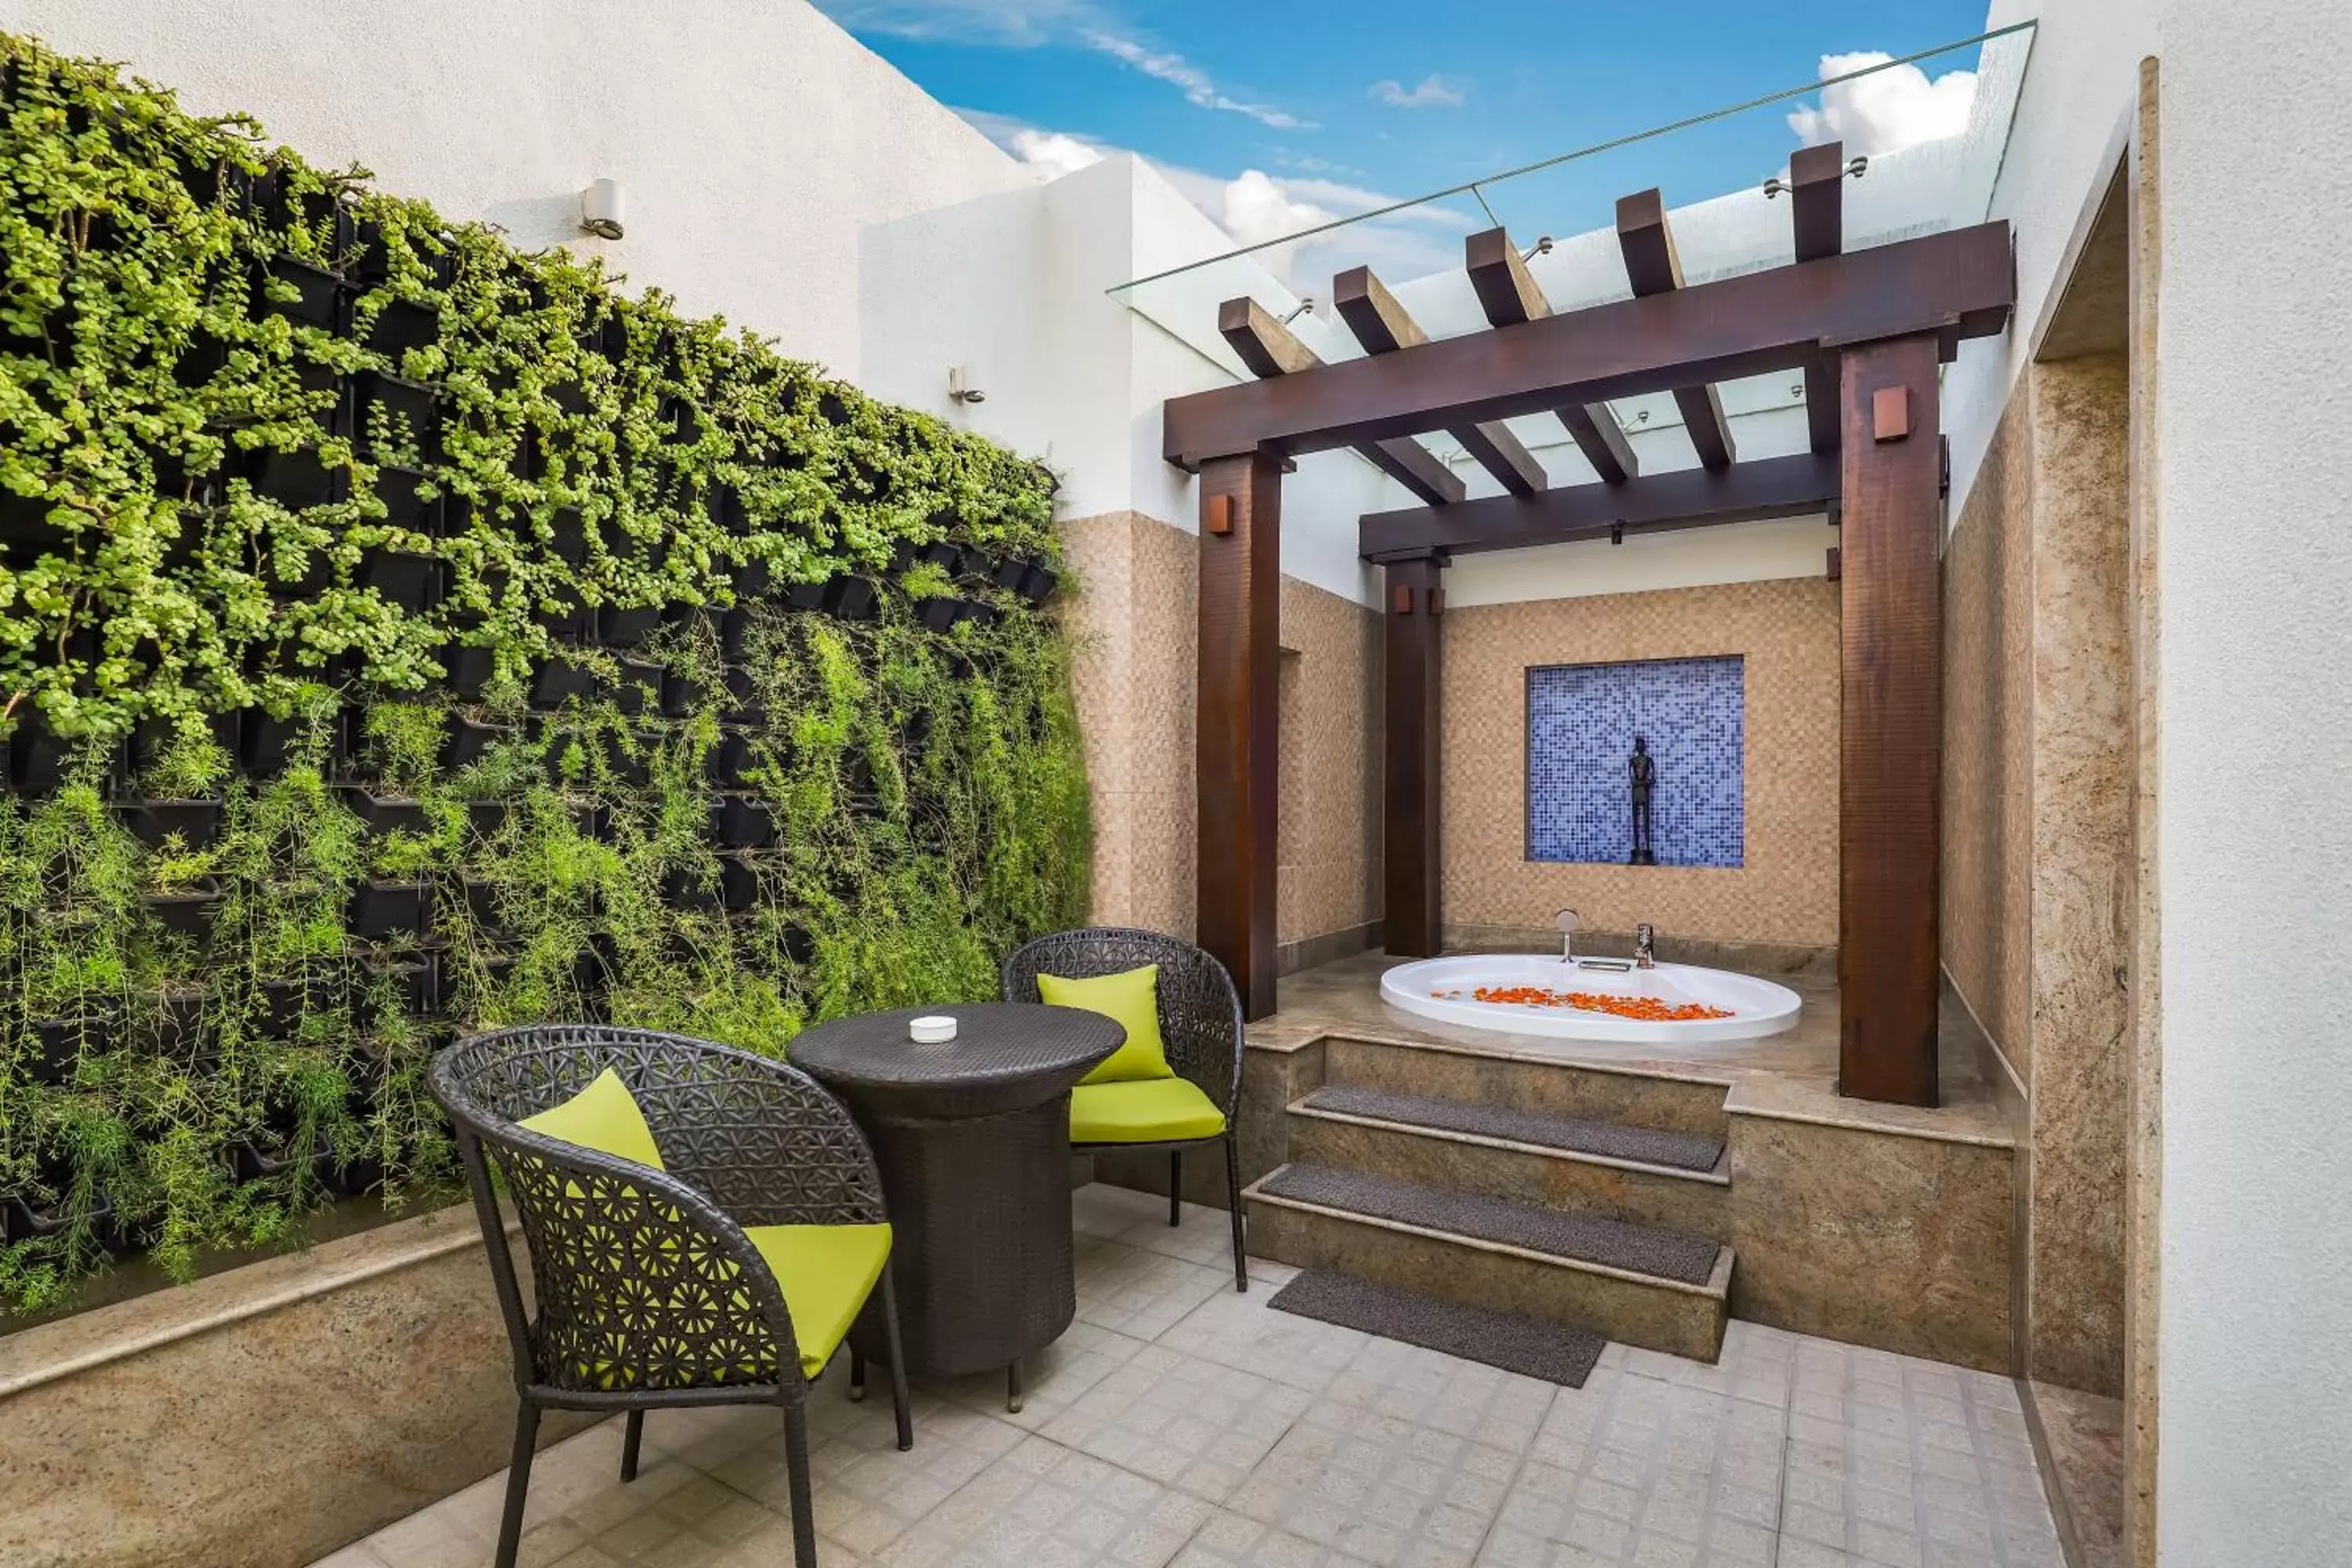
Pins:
x: 1443, y: 988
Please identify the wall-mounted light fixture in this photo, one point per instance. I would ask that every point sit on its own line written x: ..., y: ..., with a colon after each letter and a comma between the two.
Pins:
x: 600, y: 209
x: 959, y: 386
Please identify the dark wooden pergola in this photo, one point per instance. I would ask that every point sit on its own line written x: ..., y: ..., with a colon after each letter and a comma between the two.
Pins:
x: 1868, y: 330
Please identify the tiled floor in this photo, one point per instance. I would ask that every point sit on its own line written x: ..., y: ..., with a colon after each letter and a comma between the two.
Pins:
x: 1179, y: 1422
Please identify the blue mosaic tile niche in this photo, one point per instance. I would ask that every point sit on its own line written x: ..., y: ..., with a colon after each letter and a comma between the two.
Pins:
x: 1582, y: 720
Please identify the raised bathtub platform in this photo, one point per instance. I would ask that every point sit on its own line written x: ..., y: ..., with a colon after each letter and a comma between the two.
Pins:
x: 1884, y: 1225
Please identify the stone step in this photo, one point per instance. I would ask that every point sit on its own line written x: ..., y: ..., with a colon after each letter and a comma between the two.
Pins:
x: 1556, y: 1163
x: 1659, y: 1289
x: 1577, y: 1090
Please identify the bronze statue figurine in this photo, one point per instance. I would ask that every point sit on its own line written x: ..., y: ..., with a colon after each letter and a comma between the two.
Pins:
x: 1643, y: 773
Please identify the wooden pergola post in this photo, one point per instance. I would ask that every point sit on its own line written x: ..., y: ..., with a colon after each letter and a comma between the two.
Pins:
x: 1414, y: 870
x: 1240, y: 729
x: 1891, y: 763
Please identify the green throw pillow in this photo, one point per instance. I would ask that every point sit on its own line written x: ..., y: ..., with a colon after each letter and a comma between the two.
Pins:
x: 1133, y: 999
x: 603, y: 1116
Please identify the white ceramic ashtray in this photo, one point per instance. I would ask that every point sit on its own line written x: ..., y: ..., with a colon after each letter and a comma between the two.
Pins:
x: 932, y: 1031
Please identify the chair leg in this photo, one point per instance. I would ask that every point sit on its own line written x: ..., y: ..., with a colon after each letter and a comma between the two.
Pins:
x: 796, y: 1470
x: 1012, y: 1394
x: 1233, y: 1209
x: 857, y: 1375
x: 1175, y: 1186
x: 526, y: 1444
x: 897, y: 1362
x: 630, y: 1436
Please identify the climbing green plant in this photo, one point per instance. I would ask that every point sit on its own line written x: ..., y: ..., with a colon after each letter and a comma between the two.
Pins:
x: 401, y: 636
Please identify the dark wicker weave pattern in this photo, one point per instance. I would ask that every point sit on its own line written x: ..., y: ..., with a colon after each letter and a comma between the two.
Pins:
x: 1199, y: 1026
x: 648, y: 1293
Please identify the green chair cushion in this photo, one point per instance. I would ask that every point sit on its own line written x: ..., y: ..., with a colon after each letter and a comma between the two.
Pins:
x: 1156, y: 1111
x: 603, y: 1116
x: 826, y: 1271
x: 1132, y: 999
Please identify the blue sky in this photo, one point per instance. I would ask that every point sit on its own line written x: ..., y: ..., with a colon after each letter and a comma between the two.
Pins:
x: 1333, y: 106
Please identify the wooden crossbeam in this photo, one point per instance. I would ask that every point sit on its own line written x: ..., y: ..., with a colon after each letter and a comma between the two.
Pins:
x: 1957, y: 285
x: 1383, y: 326
x: 1653, y: 503
x: 1817, y: 213
x: 1652, y: 268
x: 1270, y: 349
x: 1509, y: 295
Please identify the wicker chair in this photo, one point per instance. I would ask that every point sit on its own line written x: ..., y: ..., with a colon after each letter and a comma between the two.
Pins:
x: 1200, y: 1024
x: 648, y: 1293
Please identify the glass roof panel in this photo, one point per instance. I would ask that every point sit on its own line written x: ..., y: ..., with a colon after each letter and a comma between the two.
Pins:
x: 1561, y: 212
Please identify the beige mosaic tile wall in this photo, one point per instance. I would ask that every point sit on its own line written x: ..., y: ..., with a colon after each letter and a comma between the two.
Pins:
x: 1788, y: 634
x: 1135, y: 617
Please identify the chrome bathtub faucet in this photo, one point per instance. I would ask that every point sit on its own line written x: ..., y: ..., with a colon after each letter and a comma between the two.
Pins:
x: 1568, y: 920
x: 1644, y: 954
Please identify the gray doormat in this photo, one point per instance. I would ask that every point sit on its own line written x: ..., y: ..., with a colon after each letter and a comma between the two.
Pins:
x: 1505, y: 1339
x: 1587, y: 1239
x: 1645, y: 1145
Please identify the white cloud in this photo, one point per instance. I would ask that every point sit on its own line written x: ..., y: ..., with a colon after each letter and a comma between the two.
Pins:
x: 1054, y: 153
x: 1887, y: 108
x: 1166, y: 65
x: 1430, y: 92
x: 1015, y: 21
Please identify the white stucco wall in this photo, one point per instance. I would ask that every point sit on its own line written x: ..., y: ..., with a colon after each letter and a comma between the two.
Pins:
x: 2080, y: 84
x: 752, y: 136
x: 2255, y: 845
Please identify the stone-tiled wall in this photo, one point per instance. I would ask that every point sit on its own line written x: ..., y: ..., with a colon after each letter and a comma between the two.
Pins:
x: 2038, y: 849
x: 1787, y: 633
x: 1135, y: 615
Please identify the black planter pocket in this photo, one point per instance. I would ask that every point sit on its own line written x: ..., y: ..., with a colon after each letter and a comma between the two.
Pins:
x: 300, y: 291
x: 384, y: 813
x: 746, y: 702
x: 284, y: 1003
x: 640, y: 689
x: 298, y: 479
x: 480, y: 899
x: 558, y: 682
x: 25, y: 530
x: 592, y: 820
x: 798, y: 945
x: 379, y: 909
x: 980, y: 612
x: 464, y: 739
x: 852, y: 599
x: 38, y: 760
x: 939, y: 615
x: 411, y: 582
x: 617, y: 627
x: 180, y: 1032
x: 629, y: 760
x: 253, y: 1159
x: 727, y: 759
x: 24, y: 1218
x: 734, y: 634
x: 60, y: 1044
x: 470, y: 669
x: 194, y: 823
x: 567, y: 536
x: 743, y: 821
x: 392, y: 407
x: 681, y: 695
x: 486, y: 816
x: 266, y: 742
x: 411, y: 985
x: 187, y: 912
x: 806, y: 595
x: 568, y: 623
x: 734, y: 889
x: 401, y: 325
x: 725, y: 505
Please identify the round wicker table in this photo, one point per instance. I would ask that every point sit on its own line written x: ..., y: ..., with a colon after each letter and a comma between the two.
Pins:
x: 972, y: 1136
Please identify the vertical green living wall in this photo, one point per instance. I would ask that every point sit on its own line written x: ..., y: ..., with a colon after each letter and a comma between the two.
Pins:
x: 400, y: 635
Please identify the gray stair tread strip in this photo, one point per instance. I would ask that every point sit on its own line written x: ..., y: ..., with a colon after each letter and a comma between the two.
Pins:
x: 1644, y: 1145
x: 1505, y: 1340
x: 1583, y: 1237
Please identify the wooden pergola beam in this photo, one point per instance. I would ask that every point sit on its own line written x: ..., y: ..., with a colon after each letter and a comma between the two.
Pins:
x: 1383, y: 326
x: 1957, y: 284
x: 1817, y: 216
x: 1509, y: 294
x: 1270, y: 349
x: 1752, y: 491
x: 1652, y: 268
